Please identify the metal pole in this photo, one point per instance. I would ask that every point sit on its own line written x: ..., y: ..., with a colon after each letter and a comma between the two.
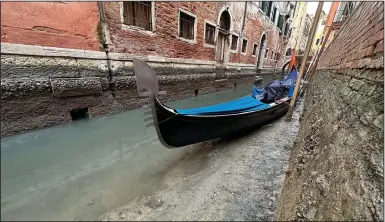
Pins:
x: 304, y: 60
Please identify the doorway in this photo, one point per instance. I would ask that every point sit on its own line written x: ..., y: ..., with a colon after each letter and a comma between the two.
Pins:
x: 262, y: 49
x: 223, y: 43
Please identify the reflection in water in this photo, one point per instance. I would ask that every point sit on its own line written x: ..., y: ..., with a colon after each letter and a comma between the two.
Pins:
x: 79, y: 171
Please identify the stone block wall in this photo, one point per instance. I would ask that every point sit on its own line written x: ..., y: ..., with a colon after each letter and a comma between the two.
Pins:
x: 41, y: 85
x: 337, y: 163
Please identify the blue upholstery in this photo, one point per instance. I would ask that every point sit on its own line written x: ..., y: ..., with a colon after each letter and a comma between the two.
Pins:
x: 245, y: 103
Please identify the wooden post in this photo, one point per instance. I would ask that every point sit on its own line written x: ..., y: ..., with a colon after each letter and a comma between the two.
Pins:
x: 304, y: 60
x: 311, y: 71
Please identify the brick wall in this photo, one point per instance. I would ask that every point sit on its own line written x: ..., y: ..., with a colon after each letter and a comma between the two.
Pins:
x: 257, y: 25
x: 361, y: 37
x: 337, y: 163
x: 164, y: 40
x: 56, y: 24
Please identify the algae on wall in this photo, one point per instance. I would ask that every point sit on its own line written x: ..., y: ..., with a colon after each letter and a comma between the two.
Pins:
x: 336, y: 166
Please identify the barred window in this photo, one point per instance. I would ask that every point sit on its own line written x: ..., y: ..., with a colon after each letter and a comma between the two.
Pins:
x: 138, y: 14
x: 209, y: 34
x: 234, y: 42
x: 186, y: 26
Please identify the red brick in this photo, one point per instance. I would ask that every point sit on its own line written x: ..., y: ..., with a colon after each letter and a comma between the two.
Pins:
x: 379, y: 36
x: 70, y: 25
x: 370, y: 50
x: 379, y: 47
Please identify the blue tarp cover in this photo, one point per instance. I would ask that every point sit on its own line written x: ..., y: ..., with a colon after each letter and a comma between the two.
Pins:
x: 246, y: 103
x: 256, y: 91
x: 279, y: 89
x: 293, y: 75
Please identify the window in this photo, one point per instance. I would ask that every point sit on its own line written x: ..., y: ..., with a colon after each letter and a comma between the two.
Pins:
x: 269, y: 8
x: 280, y: 22
x: 262, y: 5
x: 288, y: 52
x: 316, y: 43
x: 306, y: 30
x: 274, y: 14
x: 244, y: 45
x: 266, y: 7
x: 272, y: 54
x: 323, y: 22
x: 186, y: 26
x: 267, y: 51
x: 287, y: 29
x: 138, y: 14
x: 255, y: 49
x: 234, y: 42
x: 209, y: 34
x: 277, y: 55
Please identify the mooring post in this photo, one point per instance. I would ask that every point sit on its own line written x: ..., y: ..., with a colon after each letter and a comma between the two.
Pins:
x: 304, y: 61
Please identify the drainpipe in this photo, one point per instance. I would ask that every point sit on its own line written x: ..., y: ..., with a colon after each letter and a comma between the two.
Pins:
x: 105, y: 40
x: 104, y: 30
x: 243, y: 27
x: 244, y: 18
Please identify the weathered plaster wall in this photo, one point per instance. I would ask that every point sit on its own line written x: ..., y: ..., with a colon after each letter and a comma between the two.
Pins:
x: 337, y: 163
x: 56, y: 24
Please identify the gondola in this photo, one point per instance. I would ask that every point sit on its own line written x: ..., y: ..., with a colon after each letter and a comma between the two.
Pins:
x: 177, y: 128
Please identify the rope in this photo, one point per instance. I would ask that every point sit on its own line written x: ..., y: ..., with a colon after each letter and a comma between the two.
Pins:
x: 167, y: 119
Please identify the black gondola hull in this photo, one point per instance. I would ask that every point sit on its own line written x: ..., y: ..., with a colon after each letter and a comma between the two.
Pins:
x: 177, y: 130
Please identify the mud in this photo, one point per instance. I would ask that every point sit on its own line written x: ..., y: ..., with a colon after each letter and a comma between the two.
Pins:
x: 227, y: 179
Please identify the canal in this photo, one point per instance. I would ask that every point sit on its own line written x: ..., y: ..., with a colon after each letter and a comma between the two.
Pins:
x: 82, y: 170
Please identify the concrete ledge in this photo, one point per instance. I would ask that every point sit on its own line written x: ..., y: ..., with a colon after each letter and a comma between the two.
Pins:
x: 34, y: 50
x: 76, y: 86
x: 44, y: 51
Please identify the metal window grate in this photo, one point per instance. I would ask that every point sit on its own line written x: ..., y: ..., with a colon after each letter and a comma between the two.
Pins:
x: 209, y: 35
x: 186, y: 26
x: 138, y: 14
